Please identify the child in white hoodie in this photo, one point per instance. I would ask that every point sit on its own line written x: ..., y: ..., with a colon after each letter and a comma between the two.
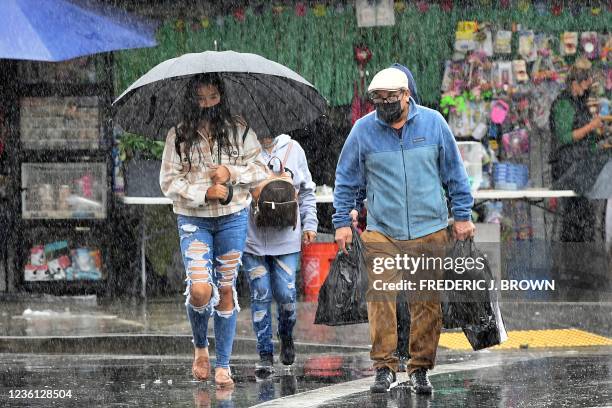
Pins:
x: 271, y: 256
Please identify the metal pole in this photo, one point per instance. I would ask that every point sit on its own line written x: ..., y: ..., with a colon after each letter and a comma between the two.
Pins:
x: 143, y: 265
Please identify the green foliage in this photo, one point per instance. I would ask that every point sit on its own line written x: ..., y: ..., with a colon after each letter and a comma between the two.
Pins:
x: 321, y: 48
x: 134, y: 146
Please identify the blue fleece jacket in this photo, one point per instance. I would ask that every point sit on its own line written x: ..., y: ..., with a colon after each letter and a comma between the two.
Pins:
x: 272, y: 241
x: 403, y: 175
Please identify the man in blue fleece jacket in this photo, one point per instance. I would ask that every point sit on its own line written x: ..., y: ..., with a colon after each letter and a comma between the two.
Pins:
x: 403, y: 155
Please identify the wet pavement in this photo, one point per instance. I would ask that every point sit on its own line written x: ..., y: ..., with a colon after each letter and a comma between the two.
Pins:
x: 579, y: 381
x: 102, y: 359
x: 95, y: 380
x: 90, y: 316
x: 567, y: 379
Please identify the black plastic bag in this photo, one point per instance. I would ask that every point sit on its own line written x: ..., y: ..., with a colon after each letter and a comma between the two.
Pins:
x: 490, y: 331
x: 476, y: 312
x: 342, y: 297
x: 462, y: 308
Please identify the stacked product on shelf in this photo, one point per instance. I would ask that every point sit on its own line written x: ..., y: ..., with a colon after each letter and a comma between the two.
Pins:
x: 56, y: 261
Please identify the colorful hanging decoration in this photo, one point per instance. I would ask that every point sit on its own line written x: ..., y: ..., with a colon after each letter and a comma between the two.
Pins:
x: 319, y: 10
x: 179, y: 25
x: 278, y: 9
x: 524, y: 5
x: 205, y: 22
x: 556, y: 7
x: 220, y: 21
x: 505, y: 4
x: 239, y: 14
x: 399, y: 6
x: 575, y: 8
x: 300, y: 9
x: 446, y: 5
x: 422, y: 6
x: 541, y: 7
x: 361, y: 104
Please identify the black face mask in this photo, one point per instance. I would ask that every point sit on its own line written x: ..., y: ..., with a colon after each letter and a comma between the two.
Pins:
x: 210, y: 113
x: 389, y: 112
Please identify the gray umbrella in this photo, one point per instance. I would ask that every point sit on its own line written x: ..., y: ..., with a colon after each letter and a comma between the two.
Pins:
x: 271, y: 97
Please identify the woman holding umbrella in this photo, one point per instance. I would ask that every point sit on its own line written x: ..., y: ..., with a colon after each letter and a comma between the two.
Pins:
x: 210, y: 160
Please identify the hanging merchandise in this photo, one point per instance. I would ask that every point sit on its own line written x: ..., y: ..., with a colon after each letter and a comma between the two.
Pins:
x: 503, y: 42
x: 569, y: 43
x: 523, y: 5
x: 239, y: 14
x: 399, y: 6
x: 422, y: 6
x: 606, y: 48
x: 319, y: 10
x: 361, y: 104
x: 543, y: 68
x: 446, y: 5
x: 374, y: 13
x: 556, y: 7
x: 278, y: 9
x: 465, y: 36
x: 484, y: 40
x: 519, y: 68
x: 589, y: 44
x: 541, y: 7
x: 499, y: 111
x: 527, y: 49
x: 300, y: 9
x: 503, y: 74
x: 515, y: 144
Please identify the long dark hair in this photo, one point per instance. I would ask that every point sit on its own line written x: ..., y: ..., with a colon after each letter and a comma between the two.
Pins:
x: 187, y: 131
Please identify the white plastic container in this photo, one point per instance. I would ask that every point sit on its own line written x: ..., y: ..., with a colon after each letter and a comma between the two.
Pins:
x: 471, y: 153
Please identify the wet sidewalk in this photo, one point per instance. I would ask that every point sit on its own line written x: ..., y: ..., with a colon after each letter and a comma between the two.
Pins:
x: 159, y: 326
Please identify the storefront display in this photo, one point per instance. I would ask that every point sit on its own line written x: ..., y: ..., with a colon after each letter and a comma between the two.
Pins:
x: 56, y: 261
x: 502, y: 99
x: 60, y: 123
x: 61, y: 159
x: 63, y: 190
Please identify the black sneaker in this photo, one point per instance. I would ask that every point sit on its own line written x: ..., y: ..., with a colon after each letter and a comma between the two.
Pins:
x: 420, y: 381
x: 265, y: 367
x: 385, y: 380
x: 287, y: 350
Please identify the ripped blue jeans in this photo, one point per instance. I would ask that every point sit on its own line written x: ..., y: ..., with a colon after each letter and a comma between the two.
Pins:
x: 271, y: 277
x: 212, y: 251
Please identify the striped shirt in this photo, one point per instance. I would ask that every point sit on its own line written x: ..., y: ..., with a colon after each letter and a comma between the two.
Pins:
x: 187, y: 187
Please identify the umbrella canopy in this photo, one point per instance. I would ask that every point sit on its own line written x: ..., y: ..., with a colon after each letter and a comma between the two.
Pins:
x: 271, y: 97
x: 57, y: 30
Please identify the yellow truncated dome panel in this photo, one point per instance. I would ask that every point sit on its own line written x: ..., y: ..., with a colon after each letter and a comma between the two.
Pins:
x: 532, y: 339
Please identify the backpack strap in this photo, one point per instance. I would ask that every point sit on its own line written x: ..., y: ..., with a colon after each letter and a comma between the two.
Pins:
x: 287, y: 153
